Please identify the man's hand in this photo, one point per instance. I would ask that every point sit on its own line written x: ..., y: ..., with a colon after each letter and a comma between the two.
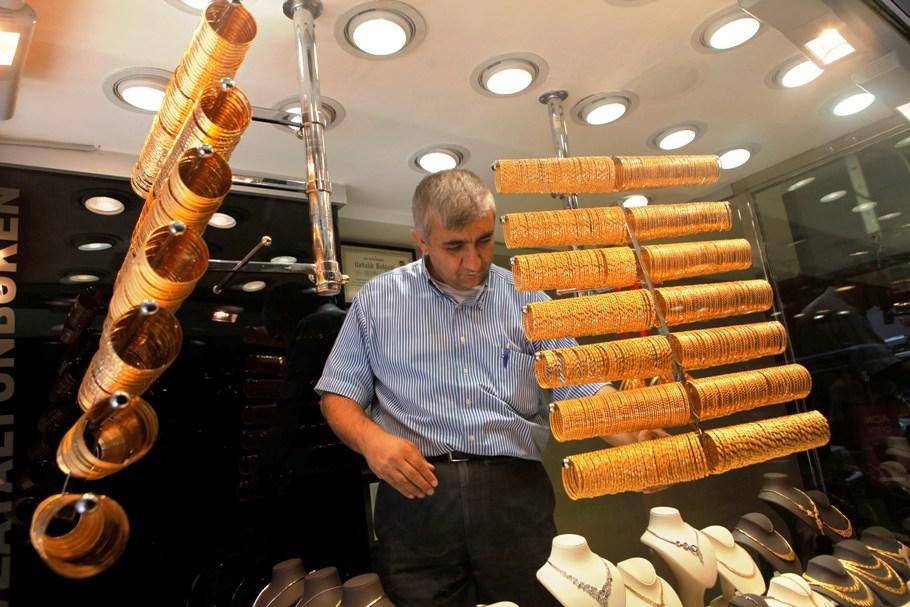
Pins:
x: 398, y: 462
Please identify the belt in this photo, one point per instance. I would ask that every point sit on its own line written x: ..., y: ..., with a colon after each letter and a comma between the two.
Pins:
x: 460, y: 456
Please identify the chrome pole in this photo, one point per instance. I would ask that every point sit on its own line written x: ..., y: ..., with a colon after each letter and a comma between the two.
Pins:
x: 319, y: 189
x: 553, y: 100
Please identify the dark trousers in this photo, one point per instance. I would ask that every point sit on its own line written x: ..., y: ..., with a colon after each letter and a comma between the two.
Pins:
x: 480, y: 538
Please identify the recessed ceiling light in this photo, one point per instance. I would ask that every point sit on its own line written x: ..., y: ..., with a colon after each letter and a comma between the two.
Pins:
x: 818, y: 317
x: 852, y: 104
x: 843, y: 312
x: 903, y: 143
x: 222, y: 221
x: 859, y: 253
x: 844, y: 288
x: 832, y: 196
x: 730, y: 30
x: 104, y: 205
x: 865, y: 206
x: 81, y: 277
x: 635, y: 200
x: 253, y: 286
x: 380, y: 29
x: 438, y: 158
x: 140, y: 89
x: 797, y: 72
x: 224, y: 316
x: 799, y: 315
x: 829, y: 46
x: 735, y: 158
x: 284, y: 259
x: 676, y: 137
x: 603, y: 108
x: 510, y: 74
x: 94, y: 246
x: 889, y: 216
x: 332, y: 112
x: 801, y: 183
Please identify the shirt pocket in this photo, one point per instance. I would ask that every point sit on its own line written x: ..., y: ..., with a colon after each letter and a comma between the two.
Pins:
x: 516, y: 383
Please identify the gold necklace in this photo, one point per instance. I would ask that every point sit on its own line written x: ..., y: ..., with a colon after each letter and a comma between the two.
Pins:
x: 740, y: 573
x: 902, y: 555
x: 811, y: 511
x: 788, y: 556
x: 650, y: 601
x: 842, y: 591
x: 846, y: 531
x: 870, y: 574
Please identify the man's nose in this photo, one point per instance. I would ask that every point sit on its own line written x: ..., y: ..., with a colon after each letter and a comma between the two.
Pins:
x: 471, y: 260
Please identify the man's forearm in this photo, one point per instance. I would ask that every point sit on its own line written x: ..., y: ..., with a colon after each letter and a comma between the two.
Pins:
x: 347, y: 420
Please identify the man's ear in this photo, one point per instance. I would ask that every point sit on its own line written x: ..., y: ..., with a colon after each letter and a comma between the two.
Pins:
x: 424, y: 249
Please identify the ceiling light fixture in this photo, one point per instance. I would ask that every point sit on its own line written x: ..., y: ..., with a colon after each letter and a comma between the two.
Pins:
x: 17, y: 22
x: 603, y: 108
x: 797, y: 72
x: 729, y: 30
x: 222, y: 221
x: 289, y: 109
x: 735, y: 158
x: 81, y: 277
x: 808, y: 24
x: 510, y: 74
x: 845, y: 288
x: 380, y: 29
x: 852, y: 103
x: 832, y: 196
x: 859, y: 253
x: 888, y: 78
x: 284, y: 259
x: 676, y: 137
x: 253, y: 286
x: 635, y: 200
x: 89, y: 243
x: 139, y: 89
x: 104, y: 205
x: 224, y: 316
x: 94, y: 246
x: 889, y: 216
x: 864, y: 206
x: 800, y: 184
x: 438, y: 158
x: 829, y: 46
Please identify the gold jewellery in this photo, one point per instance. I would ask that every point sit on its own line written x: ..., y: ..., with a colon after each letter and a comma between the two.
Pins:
x: 901, y: 555
x: 810, y: 510
x: 842, y: 592
x: 788, y: 555
x: 846, y: 532
x: 880, y: 575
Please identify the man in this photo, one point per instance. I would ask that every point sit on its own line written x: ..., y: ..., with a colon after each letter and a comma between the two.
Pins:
x: 457, y: 426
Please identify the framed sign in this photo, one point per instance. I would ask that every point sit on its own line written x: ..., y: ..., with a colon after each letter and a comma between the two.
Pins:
x: 363, y: 262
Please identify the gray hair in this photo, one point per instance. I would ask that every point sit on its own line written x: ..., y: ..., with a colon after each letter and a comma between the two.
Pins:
x: 455, y: 197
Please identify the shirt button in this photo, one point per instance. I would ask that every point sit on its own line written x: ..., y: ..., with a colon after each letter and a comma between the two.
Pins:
x: 465, y: 370
x: 468, y: 402
x: 461, y: 339
x: 471, y: 438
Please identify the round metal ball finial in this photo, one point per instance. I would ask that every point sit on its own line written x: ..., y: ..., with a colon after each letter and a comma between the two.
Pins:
x: 545, y: 98
x: 87, y: 503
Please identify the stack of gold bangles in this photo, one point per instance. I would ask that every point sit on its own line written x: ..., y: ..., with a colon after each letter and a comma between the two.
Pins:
x: 703, y: 348
x: 215, y: 52
x: 603, y: 173
x: 607, y: 225
x: 686, y: 457
x: 635, y: 310
x: 669, y: 405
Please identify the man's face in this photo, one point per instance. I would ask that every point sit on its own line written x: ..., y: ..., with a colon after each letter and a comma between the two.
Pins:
x: 459, y: 258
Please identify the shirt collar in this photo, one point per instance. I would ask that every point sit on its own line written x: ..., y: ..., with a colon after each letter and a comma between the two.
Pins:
x: 438, y: 287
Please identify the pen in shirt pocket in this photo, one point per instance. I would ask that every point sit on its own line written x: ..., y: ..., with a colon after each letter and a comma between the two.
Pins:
x: 505, y: 357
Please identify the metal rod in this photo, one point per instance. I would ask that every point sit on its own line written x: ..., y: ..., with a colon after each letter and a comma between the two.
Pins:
x: 328, y: 275
x: 175, y: 229
x: 265, y: 241
x: 560, y: 134
x: 146, y: 309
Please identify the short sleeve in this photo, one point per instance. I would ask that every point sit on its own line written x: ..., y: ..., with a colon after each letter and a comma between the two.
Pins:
x: 348, y: 371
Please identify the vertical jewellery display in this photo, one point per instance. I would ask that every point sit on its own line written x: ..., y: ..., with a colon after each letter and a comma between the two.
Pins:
x: 626, y: 263
x: 183, y: 175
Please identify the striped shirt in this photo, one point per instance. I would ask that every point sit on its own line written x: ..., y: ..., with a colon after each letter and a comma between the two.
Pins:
x: 447, y: 376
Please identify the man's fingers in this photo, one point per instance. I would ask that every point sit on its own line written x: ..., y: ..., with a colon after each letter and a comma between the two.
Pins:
x: 404, y: 485
x: 423, y: 468
x: 414, y: 474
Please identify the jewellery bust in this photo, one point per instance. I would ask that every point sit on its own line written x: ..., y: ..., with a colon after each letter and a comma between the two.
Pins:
x: 884, y: 545
x: 577, y: 577
x: 687, y: 552
x: 828, y: 577
x: 364, y: 591
x: 791, y: 590
x: 738, y: 572
x: 771, y: 550
x: 877, y: 574
x: 286, y: 586
x: 644, y: 588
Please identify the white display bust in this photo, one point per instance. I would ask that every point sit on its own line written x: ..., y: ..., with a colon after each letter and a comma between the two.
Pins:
x: 791, y: 590
x: 686, y: 550
x: 738, y: 572
x: 577, y: 577
x: 644, y: 587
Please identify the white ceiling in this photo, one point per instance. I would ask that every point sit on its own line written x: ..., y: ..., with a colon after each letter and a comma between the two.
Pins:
x: 396, y: 106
